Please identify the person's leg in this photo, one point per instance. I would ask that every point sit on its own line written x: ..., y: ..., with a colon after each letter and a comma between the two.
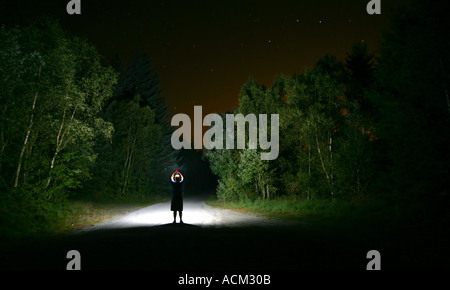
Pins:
x: 181, y: 215
x: 174, y: 215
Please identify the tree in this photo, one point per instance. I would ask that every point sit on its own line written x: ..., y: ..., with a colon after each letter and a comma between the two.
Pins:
x: 255, y: 172
x: 359, y: 76
x: 315, y: 99
x: 412, y: 106
x: 138, y: 78
x: 52, y: 107
x: 242, y: 173
x: 19, y: 74
x: 135, y: 138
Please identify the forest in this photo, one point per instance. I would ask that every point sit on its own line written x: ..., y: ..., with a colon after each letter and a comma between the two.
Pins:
x: 72, y: 126
x: 372, y: 126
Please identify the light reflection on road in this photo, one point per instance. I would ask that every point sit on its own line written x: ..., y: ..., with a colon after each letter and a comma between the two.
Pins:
x: 195, y: 212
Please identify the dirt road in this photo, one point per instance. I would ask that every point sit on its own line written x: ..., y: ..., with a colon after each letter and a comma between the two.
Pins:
x: 196, y: 212
x: 216, y: 239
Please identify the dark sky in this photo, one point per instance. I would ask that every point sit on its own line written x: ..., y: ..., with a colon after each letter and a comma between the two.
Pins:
x: 204, y: 51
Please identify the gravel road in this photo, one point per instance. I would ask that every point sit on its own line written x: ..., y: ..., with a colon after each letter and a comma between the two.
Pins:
x: 196, y: 212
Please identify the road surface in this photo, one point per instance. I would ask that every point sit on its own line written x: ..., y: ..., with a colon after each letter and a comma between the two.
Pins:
x: 216, y: 239
x: 195, y: 212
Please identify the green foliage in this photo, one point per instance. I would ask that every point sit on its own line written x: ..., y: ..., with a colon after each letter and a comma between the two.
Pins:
x: 24, y: 213
x: 365, y: 128
x: 313, y: 138
x: 68, y: 128
x: 52, y: 89
x: 325, y: 135
x: 139, y: 78
x: 317, y: 210
x: 135, y: 139
x: 137, y: 159
x: 50, y: 118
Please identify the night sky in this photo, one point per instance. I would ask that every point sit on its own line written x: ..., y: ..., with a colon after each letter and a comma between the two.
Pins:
x: 204, y: 51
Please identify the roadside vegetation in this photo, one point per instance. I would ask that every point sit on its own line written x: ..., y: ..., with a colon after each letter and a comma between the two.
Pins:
x: 75, y: 130
x: 333, y: 211
x: 25, y: 218
x: 364, y: 136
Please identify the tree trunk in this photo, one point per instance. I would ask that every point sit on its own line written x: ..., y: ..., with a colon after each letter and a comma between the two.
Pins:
x: 28, y: 153
x: 60, y: 144
x: 52, y: 163
x: 323, y: 165
x: 127, y: 170
x: 25, y: 142
x: 358, y: 182
x: 127, y: 166
x: 261, y: 187
x: 4, y: 144
x: 331, y: 161
x: 309, y: 170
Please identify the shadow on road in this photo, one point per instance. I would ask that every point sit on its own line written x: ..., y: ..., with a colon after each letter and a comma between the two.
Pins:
x: 191, y: 246
x: 176, y: 225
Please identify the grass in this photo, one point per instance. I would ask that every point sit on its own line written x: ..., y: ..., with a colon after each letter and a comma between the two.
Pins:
x: 323, y: 210
x: 374, y: 216
x: 22, y: 219
x: 84, y: 213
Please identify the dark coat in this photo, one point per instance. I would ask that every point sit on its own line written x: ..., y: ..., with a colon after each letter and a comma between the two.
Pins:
x: 177, y: 196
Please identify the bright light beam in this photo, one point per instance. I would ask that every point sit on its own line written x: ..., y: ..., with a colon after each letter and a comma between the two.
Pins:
x: 195, y: 212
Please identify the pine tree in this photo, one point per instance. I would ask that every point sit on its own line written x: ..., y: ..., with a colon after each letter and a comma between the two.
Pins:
x: 139, y: 79
x: 413, y: 111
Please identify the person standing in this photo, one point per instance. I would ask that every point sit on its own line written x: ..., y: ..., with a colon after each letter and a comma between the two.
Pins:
x: 177, y: 195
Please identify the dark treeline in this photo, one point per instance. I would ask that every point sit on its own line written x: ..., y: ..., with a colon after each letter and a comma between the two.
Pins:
x: 370, y: 126
x: 199, y: 178
x: 139, y: 158
x: 71, y: 126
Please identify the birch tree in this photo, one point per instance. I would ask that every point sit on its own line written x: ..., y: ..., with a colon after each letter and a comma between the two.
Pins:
x: 52, y: 87
x: 136, y: 139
